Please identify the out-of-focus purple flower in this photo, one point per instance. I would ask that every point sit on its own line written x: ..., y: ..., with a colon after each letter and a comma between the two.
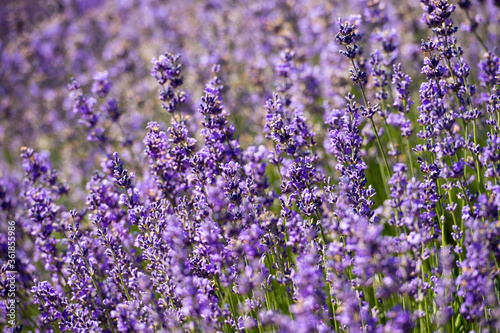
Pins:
x: 102, y: 84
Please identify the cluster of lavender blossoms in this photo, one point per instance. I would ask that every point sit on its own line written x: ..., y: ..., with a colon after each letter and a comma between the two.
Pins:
x: 291, y: 166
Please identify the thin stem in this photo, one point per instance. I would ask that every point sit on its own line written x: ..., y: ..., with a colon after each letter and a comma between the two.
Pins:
x: 371, y: 119
x: 474, y: 31
x: 479, y: 183
x: 381, y: 149
x: 120, y: 276
x: 231, y: 306
x: 93, y: 280
x: 409, y: 156
x: 471, y: 107
x: 423, y: 296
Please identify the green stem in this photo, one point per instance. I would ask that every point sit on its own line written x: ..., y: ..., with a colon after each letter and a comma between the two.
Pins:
x: 409, y: 157
x: 93, y: 280
x: 474, y: 31
x: 423, y: 296
x: 120, y: 276
x: 380, y: 147
x: 231, y: 306
x: 479, y: 183
x: 371, y: 119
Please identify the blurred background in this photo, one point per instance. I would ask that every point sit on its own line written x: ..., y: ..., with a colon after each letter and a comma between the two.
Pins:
x: 46, y: 43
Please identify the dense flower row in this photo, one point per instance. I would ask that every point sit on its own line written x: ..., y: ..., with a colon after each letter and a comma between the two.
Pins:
x: 295, y: 171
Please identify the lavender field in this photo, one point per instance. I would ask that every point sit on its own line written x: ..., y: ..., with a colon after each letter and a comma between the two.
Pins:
x: 250, y: 166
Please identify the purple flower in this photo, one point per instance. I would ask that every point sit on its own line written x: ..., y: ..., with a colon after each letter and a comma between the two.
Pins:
x: 102, y: 84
